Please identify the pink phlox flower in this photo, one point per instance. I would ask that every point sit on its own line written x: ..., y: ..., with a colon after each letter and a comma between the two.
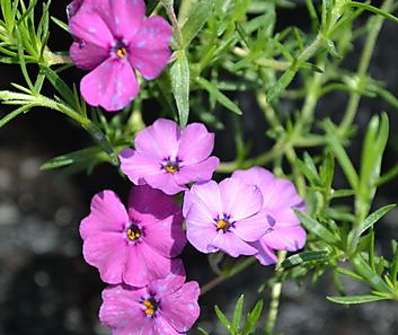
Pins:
x: 226, y: 216
x: 168, y: 157
x: 280, y: 198
x: 114, y: 38
x: 73, y: 8
x: 166, y: 306
x: 134, y: 246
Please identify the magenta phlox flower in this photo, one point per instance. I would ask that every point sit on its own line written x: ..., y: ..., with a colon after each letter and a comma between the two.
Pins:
x: 114, y: 38
x: 137, y: 245
x: 168, y: 157
x: 280, y: 198
x: 226, y: 216
x: 73, y: 8
x: 166, y: 306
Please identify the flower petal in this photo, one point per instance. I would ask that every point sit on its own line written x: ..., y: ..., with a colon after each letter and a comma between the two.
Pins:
x: 88, y: 25
x: 126, y: 17
x: 145, y: 265
x: 233, y: 245
x: 201, y: 237
x: 266, y: 256
x: 87, y: 56
x: 167, y: 236
x: 164, y: 182
x: 277, y: 192
x: 173, y: 282
x: 107, y: 215
x: 162, y: 327
x: 136, y: 166
x: 149, y: 50
x: 252, y: 228
x: 112, y: 85
x: 196, y: 144
x: 240, y: 200
x: 108, y: 253
x: 285, y: 238
x: 197, y: 172
x: 121, y: 308
x: 149, y: 205
x: 181, y: 308
x: 207, y: 196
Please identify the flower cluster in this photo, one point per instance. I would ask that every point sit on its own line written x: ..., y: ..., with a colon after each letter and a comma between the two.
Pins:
x: 136, y: 249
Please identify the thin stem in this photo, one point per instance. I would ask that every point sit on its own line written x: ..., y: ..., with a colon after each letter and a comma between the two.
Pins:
x: 238, y: 268
x: 169, y: 6
x: 276, y: 291
x: 375, y: 25
x: 185, y: 8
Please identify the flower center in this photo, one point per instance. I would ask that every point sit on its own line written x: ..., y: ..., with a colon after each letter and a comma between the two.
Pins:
x: 134, y: 233
x: 151, y: 306
x: 223, y: 225
x: 172, y: 167
x: 121, y: 52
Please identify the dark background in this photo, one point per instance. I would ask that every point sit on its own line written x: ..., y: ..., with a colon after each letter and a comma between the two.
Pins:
x: 45, y: 286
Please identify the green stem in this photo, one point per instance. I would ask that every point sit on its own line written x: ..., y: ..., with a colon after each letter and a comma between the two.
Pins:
x: 238, y: 268
x: 375, y: 25
x: 276, y: 291
x: 185, y: 8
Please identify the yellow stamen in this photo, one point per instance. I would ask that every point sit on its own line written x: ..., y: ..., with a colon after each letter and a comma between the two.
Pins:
x: 134, y: 233
x: 171, y: 168
x: 150, y: 307
x: 222, y: 225
x: 121, y: 52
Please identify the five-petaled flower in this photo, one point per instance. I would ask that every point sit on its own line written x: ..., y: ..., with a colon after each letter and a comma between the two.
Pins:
x: 226, y: 216
x: 134, y: 246
x: 114, y: 38
x: 164, y: 307
x: 280, y: 198
x: 168, y: 158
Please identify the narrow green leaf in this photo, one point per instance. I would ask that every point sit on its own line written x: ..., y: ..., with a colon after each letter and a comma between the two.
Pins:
x: 365, y: 271
x: 305, y: 257
x: 220, y: 97
x: 60, y: 24
x: 223, y: 319
x: 316, y: 228
x: 198, y: 17
x: 252, y: 318
x: 61, y: 87
x: 12, y: 115
x: 373, y: 9
x: 237, y: 317
x: 374, y: 217
x: 356, y: 299
x: 180, y: 82
x: 202, y: 331
x: 341, y: 155
x: 77, y: 157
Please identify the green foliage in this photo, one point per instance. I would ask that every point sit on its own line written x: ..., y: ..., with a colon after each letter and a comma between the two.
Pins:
x: 240, y: 325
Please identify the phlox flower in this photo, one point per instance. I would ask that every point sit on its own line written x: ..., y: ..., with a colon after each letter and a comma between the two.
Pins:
x: 73, y: 7
x: 133, y: 246
x: 226, y: 216
x: 114, y: 39
x: 168, y: 157
x: 280, y: 198
x: 164, y: 307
